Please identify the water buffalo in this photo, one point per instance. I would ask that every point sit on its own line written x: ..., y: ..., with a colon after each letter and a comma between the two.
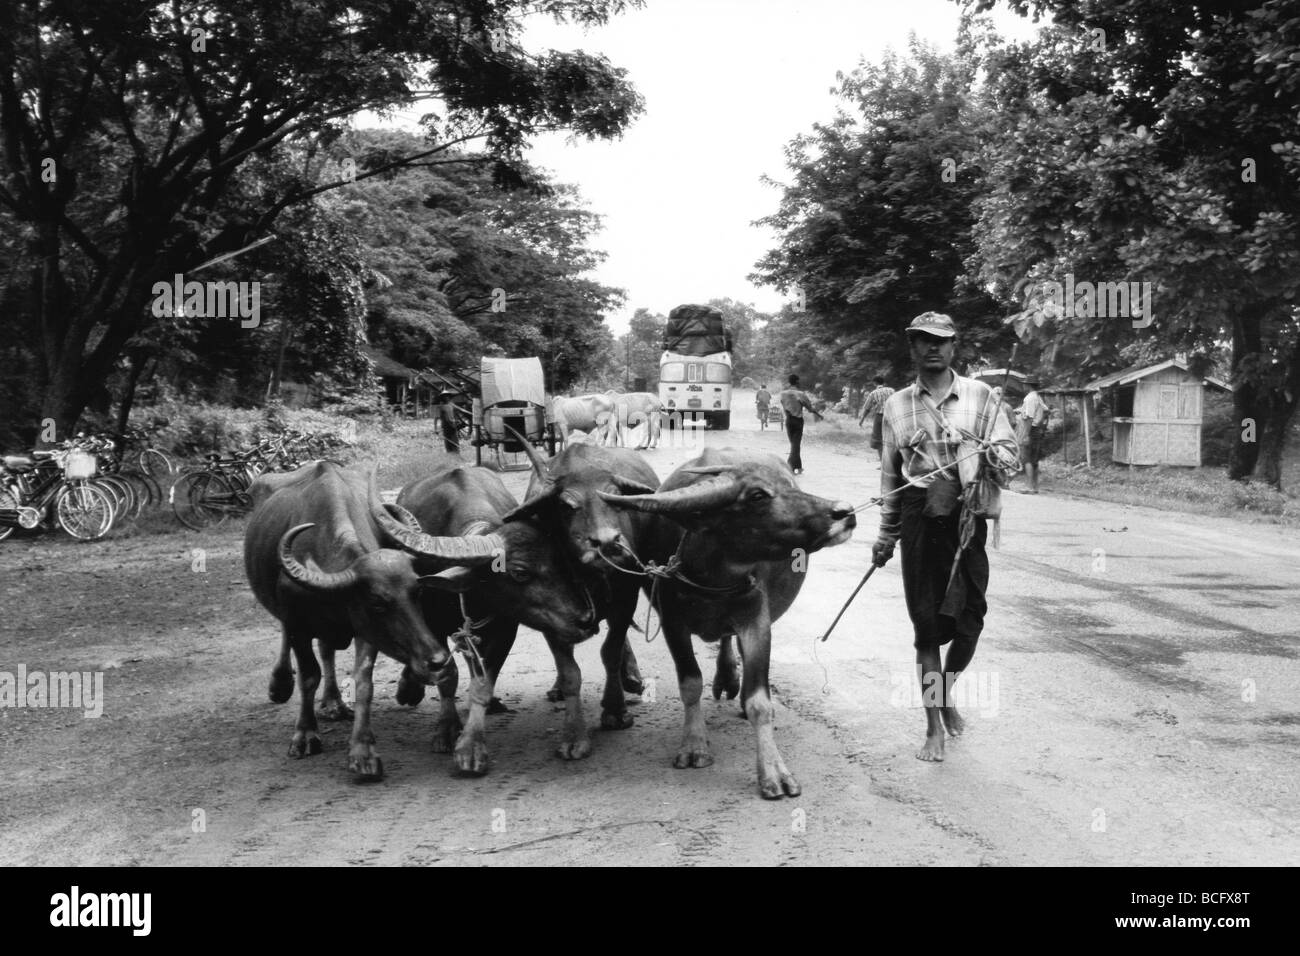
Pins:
x: 748, y: 531
x: 530, y: 583
x: 329, y: 561
x: 637, y: 408
x: 593, y: 414
x: 601, y: 540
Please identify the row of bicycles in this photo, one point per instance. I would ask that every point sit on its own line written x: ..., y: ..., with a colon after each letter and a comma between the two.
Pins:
x: 206, y: 495
x: 92, y: 483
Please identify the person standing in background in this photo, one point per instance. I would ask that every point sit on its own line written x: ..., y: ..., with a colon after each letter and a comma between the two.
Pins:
x: 875, y: 407
x: 793, y: 402
x: 764, y: 402
x: 1030, y: 430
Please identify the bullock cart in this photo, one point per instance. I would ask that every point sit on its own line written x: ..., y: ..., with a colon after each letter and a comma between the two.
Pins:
x: 512, y: 397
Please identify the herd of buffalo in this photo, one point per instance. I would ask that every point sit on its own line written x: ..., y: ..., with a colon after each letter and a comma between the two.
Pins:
x: 457, y: 564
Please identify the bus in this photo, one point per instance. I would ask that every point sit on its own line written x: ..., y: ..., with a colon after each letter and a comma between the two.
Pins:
x: 696, y: 388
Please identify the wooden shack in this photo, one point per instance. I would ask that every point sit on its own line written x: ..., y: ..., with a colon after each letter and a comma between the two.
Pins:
x: 400, y: 383
x: 1157, y: 412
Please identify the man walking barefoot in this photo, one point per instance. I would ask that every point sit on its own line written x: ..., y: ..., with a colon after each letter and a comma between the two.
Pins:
x: 944, y: 584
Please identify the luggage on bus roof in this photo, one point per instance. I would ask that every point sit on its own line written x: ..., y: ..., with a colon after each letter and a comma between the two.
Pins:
x: 696, y: 330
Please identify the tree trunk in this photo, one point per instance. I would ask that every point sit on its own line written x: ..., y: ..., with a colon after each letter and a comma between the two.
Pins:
x: 138, y: 360
x: 1246, y: 404
x: 1273, y: 438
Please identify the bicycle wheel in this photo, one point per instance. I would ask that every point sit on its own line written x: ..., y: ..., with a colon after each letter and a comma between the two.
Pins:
x: 127, y: 504
x: 149, y: 491
x: 155, y: 464
x: 7, y: 503
x: 85, y: 511
x: 202, y: 499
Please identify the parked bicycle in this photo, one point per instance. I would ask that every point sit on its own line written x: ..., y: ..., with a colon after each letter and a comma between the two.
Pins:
x: 55, y: 485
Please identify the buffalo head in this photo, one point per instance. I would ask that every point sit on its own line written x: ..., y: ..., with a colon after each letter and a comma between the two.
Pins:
x: 751, y: 504
x: 564, y: 490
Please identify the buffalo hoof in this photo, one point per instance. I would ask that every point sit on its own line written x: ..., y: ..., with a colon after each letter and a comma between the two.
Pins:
x: 693, y: 755
x: 630, y: 674
x: 574, y: 749
x: 615, y: 720
x: 334, y: 710
x: 409, y: 692
x: 445, y: 732
x: 728, y: 684
x: 304, y: 744
x: 496, y: 707
x: 781, y: 785
x: 471, y: 757
x: 281, y: 688
x: 365, y: 764
x: 555, y: 694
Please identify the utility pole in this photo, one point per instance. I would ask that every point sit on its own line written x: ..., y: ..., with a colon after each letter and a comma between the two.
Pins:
x: 627, y: 362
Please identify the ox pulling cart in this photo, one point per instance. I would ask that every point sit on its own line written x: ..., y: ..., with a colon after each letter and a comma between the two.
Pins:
x: 512, y: 395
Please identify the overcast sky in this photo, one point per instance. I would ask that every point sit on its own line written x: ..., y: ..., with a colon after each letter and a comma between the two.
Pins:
x: 727, y: 83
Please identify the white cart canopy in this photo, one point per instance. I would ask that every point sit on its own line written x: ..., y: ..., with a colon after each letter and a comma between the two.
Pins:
x: 513, y: 380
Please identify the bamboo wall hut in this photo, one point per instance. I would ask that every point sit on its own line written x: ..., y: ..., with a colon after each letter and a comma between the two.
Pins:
x: 1157, y: 413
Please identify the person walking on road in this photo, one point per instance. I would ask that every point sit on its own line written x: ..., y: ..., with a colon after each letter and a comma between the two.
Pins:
x: 875, y: 407
x: 1030, y: 430
x: 764, y: 401
x: 793, y: 402
x: 950, y: 424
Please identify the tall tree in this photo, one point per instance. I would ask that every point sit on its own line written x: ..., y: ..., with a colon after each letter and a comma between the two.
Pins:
x: 124, y: 122
x: 876, y: 224
x: 1149, y: 141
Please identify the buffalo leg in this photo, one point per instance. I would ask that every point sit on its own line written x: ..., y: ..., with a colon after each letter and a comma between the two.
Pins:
x: 331, y: 700
x: 774, y: 778
x: 621, y: 672
x: 471, y: 749
x: 363, y: 759
x: 694, y: 750
x: 447, y: 728
x: 281, y: 688
x: 574, y: 741
x: 306, y: 742
x: 726, y: 679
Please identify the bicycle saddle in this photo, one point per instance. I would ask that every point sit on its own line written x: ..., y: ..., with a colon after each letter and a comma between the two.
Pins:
x: 18, y: 462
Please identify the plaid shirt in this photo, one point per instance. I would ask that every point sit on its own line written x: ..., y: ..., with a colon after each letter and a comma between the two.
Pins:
x: 875, y: 402
x: 969, y: 405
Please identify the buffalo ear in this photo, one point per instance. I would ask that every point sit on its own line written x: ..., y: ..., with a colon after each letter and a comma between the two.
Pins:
x: 533, y: 505
x: 457, y: 580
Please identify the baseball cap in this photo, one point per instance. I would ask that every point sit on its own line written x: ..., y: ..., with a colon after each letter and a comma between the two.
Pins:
x: 933, y: 323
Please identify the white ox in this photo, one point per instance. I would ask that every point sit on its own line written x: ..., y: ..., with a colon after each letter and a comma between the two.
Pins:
x: 632, y: 410
x: 592, y: 414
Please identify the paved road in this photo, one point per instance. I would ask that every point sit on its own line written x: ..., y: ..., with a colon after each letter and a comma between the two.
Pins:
x: 1133, y: 701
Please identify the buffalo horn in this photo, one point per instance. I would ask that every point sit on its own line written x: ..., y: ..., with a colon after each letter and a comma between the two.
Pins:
x: 311, y: 577
x: 629, y: 486
x: 540, y: 465
x: 701, y: 496
x: 476, y: 549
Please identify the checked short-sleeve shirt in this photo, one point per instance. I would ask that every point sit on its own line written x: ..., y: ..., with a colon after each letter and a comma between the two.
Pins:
x: 914, y: 442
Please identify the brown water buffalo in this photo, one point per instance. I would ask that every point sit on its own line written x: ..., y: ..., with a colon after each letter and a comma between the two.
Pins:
x: 748, y: 531
x: 328, y: 560
x: 532, y: 582
x: 601, y: 541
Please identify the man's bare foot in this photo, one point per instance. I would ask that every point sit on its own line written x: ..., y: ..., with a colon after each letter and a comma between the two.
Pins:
x: 933, y: 749
x: 952, y: 720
